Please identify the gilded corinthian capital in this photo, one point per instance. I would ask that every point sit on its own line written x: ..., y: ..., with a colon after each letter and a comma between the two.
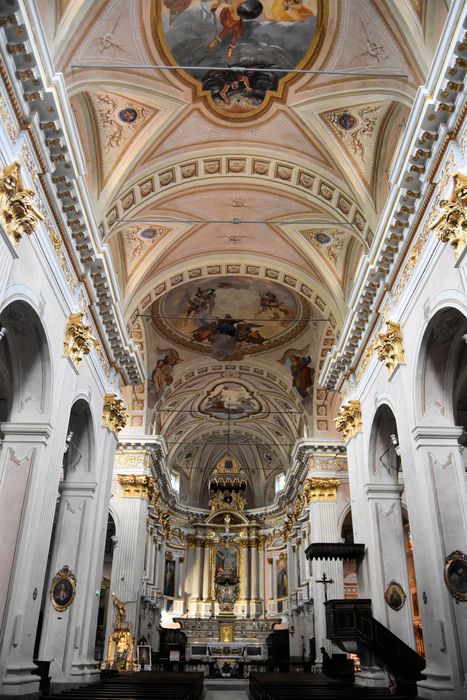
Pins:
x: 390, y: 348
x: 114, y: 414
x: 451, y: 225
x: 136, y: 485
x: 320, y: 489
x: 349, y: 420
x: 18, y: 215
x: 79, y: 340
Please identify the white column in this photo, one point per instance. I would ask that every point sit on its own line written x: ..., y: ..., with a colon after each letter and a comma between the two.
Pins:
x: 323, y: 517
x: 128, y: 561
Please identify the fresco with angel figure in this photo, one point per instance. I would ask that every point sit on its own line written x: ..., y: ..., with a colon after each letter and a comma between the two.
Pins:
x: 232, y: 38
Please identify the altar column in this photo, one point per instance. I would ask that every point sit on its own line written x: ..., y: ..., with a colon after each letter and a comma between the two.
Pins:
x: 254, y: 598
x: 206, y: 581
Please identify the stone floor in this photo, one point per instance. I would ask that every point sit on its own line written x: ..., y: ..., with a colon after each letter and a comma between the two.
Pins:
x: 225, y: 689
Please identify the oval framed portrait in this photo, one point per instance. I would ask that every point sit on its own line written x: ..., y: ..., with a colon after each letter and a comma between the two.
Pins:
x: 63, y: 589
x: 394, y: 595
x: 455, y: 574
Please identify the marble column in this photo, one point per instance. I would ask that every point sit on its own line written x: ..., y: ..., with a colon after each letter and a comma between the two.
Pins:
x: 206, y: 574
x: 254, y: 590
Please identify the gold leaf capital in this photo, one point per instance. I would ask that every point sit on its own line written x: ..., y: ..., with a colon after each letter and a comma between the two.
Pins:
x: 349, y: 420
x: 18, y: 215
x: 390, y: 347
x: 451, y: 224
x: 114, y: 415
x: 79, y: 340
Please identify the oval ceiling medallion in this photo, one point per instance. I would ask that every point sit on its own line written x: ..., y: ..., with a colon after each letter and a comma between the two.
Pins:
x: 228, y: 41
x: 230, y: 317
x: 128, y: 115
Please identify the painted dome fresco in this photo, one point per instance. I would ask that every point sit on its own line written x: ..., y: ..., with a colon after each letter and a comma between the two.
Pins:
x: 237, y: 38
x: 230, y: 317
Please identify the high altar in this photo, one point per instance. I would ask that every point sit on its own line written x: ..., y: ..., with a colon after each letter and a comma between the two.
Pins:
x: 225, y: 618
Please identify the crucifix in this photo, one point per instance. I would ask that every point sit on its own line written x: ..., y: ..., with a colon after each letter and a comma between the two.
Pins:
x: 325, y: 581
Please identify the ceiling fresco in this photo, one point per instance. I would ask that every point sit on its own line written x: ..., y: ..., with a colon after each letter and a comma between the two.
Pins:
x: 239, y: 37
x: 230, y: 317
x: 238, y: 201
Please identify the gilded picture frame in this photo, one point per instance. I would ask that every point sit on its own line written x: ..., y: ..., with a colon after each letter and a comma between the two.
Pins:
x: 63, y: 589
x: 395, y: 596
x: 455, y: 574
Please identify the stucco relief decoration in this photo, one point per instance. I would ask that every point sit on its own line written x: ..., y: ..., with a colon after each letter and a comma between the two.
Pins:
x: 230, y: 317
x: 451, y: 225
x: 349, y: 420
x: 389, y: 347
x: 79, y: 340
x: 114, y: 415
x: 18, y: 215
x: 268, y: 34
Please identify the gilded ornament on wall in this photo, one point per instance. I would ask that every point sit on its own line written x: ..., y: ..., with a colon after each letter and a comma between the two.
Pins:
x: 349, y: 420
x: 114, y: 415
x: 451, y: 225
x: 390, y: 348
x: 79, y: 340
x: 18, y: 215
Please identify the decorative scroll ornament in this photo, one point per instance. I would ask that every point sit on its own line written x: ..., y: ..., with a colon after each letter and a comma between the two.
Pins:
x: 451, y: 225
x: 79, y: 340
x: 18, y: 215
x: 114, y: 415
x: 63, y: 589
x: 390, y: 348
x: 349, y: 420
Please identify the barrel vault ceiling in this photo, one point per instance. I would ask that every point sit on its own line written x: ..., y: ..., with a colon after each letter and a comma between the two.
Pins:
x: 238, y: 205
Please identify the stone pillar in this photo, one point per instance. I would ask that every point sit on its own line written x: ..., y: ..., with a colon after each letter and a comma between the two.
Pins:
x: 441, y: 530
x: 62, y: 629
x: 323, y: 517
x: 386, y: 552
x: 24, y: 543
x: 130, y: 505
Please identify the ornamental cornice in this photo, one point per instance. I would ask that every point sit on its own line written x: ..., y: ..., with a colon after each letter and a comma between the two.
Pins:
x: 39, y: 102
x: 349, y: 419
x: 419, y: 157
x: 79, y: 340
x: 389, y: 347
